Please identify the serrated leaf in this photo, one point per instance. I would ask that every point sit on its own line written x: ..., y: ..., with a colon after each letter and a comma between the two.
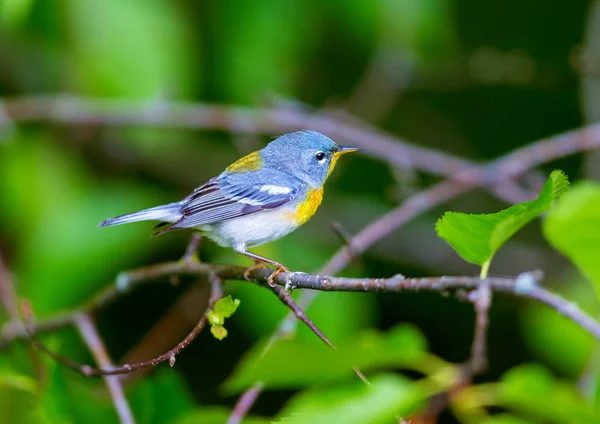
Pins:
x: 293, y: 363
x: 226, y: 306
x: 573, y: 227
x: 477, y: 237
x: 534, y: 391
x: 387, y: 397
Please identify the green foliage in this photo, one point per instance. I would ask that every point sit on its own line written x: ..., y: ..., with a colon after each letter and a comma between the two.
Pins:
x: 506, y: 419
x: 58, y: 181
x: 573, y: 227
x: 477, y: 238
x: 215, y: 415
x: 293, y: 364
x: 18, y: 400
x: 161, y: 397
x: 569, y: 353
x: 533, y: 391
x: 102, y: 55
x: 224, y: 308
x: 14, y: 12
x: 257, y: 61
x: 423, y: 30
x: 388, y: 397
x: 62, y: 202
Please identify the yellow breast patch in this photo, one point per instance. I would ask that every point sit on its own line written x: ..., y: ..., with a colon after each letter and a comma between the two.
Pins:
x: 251, y: 162
x: 308, y: 208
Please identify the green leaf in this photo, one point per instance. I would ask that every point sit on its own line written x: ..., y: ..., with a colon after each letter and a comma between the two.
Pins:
x: 14, y: 12
x: 573, y: 227
x: 293, y: 363
x: 539, y: 325
x: 477, y: 237
x: 534, y: 392
x: 226, y: 307
x: 388, y: 397
x: 18, y: 400
x: 218, y: 331
x: 506, y: 419
x: 161, y: 397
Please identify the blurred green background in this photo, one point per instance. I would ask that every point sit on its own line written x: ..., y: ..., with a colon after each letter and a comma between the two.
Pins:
x: 472, y: 78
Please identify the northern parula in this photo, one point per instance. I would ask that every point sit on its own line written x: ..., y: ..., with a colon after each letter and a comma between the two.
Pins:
x: 258, y: 199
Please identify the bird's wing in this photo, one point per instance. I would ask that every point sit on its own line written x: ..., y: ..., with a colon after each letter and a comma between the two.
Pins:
x: 236, y: 194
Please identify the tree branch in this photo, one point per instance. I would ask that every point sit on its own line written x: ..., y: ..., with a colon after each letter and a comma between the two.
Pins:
x: 170, y: 356
x: 524, y: 285
x: 65, y: 109
x: 89, y: 333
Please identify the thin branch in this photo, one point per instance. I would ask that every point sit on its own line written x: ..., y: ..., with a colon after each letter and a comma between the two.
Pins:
x: 245, y: 403
x: 170, y: 356
x: 524, y: 285
x: 8, y: 295
x: 89, y: 333
x: 191, y: 251
x: 483, y: 300
x: 64, y: 109
x: 286, y: 298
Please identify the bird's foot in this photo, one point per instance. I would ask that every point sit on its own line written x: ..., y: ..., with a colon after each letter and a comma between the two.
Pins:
x: 257, y: 264
x: 271, y: 280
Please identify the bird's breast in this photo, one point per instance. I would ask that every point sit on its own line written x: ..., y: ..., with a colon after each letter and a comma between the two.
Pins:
x: 307, y: 208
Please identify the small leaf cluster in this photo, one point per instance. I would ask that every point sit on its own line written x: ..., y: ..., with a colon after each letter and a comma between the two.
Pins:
x: 224, y: 308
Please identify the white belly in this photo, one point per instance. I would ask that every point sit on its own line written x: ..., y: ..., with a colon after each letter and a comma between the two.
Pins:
x: 252, y: 230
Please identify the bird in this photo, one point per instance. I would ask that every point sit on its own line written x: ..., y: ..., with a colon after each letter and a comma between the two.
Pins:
x: 258, y: 199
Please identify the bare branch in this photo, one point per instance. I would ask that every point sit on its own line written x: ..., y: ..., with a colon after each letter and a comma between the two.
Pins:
x: 8, y: 295
x: 235, y: 119
x: 170, y: 356
x: 524, y: 285
x: 191, y: 251
x: 286, y: 298
x: 92, y: 339
x: 245, y: 403
x: 483, y: 300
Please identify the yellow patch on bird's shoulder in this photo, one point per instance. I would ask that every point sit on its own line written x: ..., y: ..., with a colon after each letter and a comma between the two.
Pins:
x: 308, y: 208
x: 251, y: 162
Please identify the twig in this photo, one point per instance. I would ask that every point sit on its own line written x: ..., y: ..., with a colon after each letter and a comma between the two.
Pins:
x: 191, y: 251
x: 170, y: 356
x: 8, y: 295
x: 286, y: 298
x: 524, y: 285
x: 483, y: 300
x: 245, y: 403
x: 72, y: 110
x: 92, y: 339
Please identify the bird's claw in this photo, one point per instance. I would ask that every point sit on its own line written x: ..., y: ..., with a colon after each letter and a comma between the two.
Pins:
x: 271, y: 280
x: 249, y: 270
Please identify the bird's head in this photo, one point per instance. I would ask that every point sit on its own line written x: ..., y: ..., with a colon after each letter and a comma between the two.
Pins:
x: 308, y: 155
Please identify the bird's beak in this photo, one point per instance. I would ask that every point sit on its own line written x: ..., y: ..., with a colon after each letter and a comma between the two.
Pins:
x: 346, y: 149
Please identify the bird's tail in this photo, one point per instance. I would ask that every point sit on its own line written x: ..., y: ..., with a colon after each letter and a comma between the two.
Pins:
x: 167, y: 213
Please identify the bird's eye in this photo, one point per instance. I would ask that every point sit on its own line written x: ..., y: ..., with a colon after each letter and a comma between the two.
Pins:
x: 320, y: 156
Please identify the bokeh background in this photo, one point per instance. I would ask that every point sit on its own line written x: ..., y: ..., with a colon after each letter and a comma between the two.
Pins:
x: 472, y: 78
